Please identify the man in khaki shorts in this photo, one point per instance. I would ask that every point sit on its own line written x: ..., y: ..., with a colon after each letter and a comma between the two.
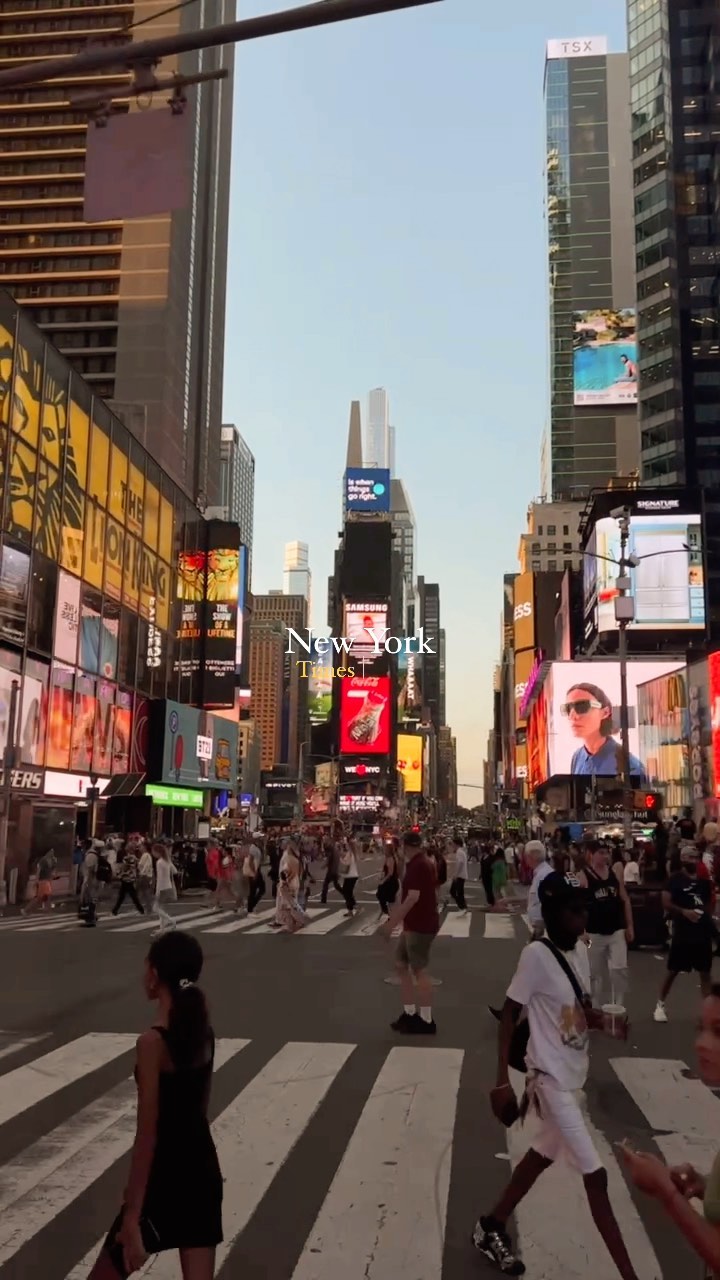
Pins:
x: 418, y: 913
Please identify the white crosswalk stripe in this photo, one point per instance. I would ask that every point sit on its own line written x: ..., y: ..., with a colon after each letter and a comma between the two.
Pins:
x: 370, y: 1220
x: 329, y: 920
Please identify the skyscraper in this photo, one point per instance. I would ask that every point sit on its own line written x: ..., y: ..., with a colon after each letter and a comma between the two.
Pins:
x: 379, y: 442
x: 675, y: 61
x: 266, y: 664
x: 237, y: 485
x: 404, y: 531
x: 297, y: 578
x: 276, y: 609
x: 137, y: 307
x: 429, y: 620
x: 593, y: 383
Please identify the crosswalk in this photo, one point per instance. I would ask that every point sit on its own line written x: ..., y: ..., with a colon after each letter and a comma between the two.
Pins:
x: 324, y: 921
x: 373, y: 1205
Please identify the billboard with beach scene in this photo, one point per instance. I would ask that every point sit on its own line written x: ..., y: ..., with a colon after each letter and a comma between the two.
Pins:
x: 605, y: 357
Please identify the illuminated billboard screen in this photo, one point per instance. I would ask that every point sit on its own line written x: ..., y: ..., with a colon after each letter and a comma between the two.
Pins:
x: 319, y: 685
x: 222, y: 592
x: 605, y: 357
x: 242, y: 592
x: 582, y: 710
x: 667, y: 583
x: 367, y: 489
x: 359, y: 620
x: 365, y: 715
x: 409, y: 700
x: 409, y: 761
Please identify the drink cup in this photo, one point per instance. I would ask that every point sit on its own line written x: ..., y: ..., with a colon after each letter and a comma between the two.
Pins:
x: 615, y: 1021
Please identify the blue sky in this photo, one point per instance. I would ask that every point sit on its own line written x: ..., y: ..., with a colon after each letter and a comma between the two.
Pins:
x: 386, y: 229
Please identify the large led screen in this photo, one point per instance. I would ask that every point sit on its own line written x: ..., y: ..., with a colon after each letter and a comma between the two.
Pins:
x: 409, y: 761
x: 605, y: 357
x: 667, y: 583
x: 367, y: 489
x: 365, y: 715
x: 320, y: 681
x: 359, y: 621
x: 582, y: 705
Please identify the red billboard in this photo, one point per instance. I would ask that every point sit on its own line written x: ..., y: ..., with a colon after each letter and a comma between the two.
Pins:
x: 714, y: 683
x: 365, y: 715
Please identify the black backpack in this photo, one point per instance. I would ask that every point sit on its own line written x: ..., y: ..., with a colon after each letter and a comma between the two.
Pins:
x: 104, y: 870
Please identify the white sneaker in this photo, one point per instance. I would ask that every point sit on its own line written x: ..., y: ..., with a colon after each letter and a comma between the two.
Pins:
x: 660, y: 1014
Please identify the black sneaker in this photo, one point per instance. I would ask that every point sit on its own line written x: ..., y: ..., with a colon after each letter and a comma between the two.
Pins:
x: 489, y: 1238
x: 405, y: 1023
x: 422, y: 1028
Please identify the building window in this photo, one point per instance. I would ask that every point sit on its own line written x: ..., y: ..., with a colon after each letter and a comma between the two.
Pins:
x: 536, y: 548
x: 540, y: 530
x: 552, y: 566
x: 535, y: 566
x: 551, y: 531
x: 568, y: 564
x: 567, y: 546
x: 566, y: 529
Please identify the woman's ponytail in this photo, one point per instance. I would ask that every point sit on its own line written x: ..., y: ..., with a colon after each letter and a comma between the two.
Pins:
x: 177, y: 959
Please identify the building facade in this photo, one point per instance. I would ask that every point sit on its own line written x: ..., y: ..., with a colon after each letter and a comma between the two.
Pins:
x: 296, y: 572
x: 91, y: 533
x: 237, y: 485
x: 266, y: 666
x: 593, y: 432
x: 379, y: 442
x: 552, y: 540
x: 675, y: 72
x: 278, y: 609
x: 429, y: 620
x: 405, y: 541
x: 137, y: 305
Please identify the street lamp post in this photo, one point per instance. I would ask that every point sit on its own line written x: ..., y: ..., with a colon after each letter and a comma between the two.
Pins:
x: 624, y: 614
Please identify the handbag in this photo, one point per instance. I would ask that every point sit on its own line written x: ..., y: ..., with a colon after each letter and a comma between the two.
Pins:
x: 521, y: 1031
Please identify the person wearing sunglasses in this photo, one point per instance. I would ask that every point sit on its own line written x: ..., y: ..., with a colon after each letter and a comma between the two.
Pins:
x: 589, y: 712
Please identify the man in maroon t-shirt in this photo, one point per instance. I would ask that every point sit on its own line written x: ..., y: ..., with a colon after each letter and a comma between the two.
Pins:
x: 418, y: 913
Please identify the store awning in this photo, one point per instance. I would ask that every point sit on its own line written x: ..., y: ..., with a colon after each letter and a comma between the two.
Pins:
x: 123, y: 784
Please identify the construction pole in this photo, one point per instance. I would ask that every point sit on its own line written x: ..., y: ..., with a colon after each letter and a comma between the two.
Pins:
x: 150, y: 52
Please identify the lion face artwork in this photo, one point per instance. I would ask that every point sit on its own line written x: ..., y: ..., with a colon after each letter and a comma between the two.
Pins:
x: 36, y: 410
x: 223, y: 576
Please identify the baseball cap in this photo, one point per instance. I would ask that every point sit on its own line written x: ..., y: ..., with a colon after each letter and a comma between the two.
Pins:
x: 562, y: 891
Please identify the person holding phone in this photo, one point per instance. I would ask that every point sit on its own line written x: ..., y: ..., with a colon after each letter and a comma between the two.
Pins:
x: 173, y: 1198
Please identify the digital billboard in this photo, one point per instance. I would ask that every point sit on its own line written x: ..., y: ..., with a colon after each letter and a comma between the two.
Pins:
x: 582, y: 710
x: 523, y: 667
x: 319, y: 685
x: 714, y: 695
x: 242, y: 593
x: 524, y: 612
x: 367, y: 489
x: 409, y: 701
x: 365, y: 715
x: 358, y: 621
x: 409, y: 761
x: 191, y: 748
x: 605, y: 357
x: 222, y: 593
x: 667, y: 583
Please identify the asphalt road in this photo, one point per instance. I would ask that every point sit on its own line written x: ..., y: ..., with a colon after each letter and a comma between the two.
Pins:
x: 343, y: 1146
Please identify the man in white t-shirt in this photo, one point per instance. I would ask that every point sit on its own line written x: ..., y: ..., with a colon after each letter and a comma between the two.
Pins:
x: 460, y: 874
x: 557, y: 1066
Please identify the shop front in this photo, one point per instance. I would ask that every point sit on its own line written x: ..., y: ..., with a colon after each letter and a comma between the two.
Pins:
x: 192, y: 760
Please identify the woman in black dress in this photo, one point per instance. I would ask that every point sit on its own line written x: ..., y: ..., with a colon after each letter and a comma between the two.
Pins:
x: 173, y: 1199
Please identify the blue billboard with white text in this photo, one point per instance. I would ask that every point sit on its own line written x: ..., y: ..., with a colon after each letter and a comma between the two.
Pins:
x: 367, y: 489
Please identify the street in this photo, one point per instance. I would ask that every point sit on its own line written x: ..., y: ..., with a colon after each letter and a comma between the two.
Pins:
x: 342, y: 1144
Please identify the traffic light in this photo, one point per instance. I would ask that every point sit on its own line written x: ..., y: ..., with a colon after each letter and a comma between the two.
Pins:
x: 649, y: 801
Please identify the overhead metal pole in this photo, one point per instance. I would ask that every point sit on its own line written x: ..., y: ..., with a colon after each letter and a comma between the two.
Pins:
x: 320, y: 14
